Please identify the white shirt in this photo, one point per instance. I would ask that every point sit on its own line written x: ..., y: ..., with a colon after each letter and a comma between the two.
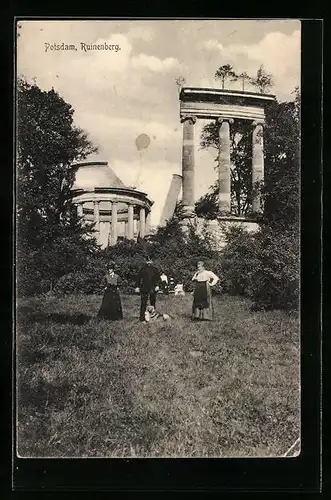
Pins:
x: 164, y: 278
x: 206, y: 276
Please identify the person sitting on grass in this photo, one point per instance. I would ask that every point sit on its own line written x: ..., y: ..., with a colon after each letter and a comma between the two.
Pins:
x: 151, y: 314
x: 164, y: 283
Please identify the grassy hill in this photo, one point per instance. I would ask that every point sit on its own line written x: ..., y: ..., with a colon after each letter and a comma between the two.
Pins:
x: 89, y: 388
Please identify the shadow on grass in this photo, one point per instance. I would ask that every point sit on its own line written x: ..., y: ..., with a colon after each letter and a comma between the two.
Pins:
x: 27, y: 315
x: 43, y: 394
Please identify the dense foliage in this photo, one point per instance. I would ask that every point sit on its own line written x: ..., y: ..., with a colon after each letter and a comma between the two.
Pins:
x: 264, y: 266
x: 51, y: 240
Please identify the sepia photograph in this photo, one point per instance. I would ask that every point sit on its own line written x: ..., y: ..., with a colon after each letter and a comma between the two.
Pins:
x: 157, y: 238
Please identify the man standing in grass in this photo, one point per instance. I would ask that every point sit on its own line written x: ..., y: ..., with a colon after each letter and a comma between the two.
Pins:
x: 148, y: 282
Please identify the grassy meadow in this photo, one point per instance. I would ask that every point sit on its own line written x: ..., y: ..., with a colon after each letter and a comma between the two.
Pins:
x: 89, y: 388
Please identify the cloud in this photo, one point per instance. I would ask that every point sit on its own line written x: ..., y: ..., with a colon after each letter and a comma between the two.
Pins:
x: 211, y: 45
x: 154, y: 63
x: 279, y: 53
x: 145, y: 33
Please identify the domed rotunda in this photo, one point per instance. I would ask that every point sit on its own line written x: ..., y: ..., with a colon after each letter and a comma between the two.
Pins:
x: 119, y: 212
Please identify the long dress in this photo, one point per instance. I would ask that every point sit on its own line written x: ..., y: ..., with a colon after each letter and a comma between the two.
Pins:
x: 111, y: 306
x: 202, y: 307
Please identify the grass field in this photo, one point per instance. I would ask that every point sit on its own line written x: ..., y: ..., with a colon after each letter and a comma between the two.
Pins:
x: 89, y: 388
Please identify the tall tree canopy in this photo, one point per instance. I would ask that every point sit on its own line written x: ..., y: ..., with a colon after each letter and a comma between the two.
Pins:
x: 50, y: 235
x: 47, y: 145
x: 282, y: 163
x: 263, y: 81
x: 225, y: 72
x: 243, y: 77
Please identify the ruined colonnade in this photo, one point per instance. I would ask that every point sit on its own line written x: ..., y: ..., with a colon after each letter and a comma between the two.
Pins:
x: 224, y: 164
x: 223, y: 106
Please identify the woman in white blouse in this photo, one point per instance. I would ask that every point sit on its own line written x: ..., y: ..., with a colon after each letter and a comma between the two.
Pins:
x: 202, y: 308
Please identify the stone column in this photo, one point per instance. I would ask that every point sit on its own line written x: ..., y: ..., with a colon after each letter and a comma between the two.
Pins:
x: 114, y: 223
x: 257, y: 166
x: 96, y: 215
x: 148, y: 222
x: 80, y: 209
x: 130, y: 222
x: 142, y: 222
x: 224, y: 170
x: 107, y: 232
x: 188, y: 164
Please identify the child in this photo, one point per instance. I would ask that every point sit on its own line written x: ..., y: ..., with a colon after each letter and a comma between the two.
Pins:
x: 179, y: 289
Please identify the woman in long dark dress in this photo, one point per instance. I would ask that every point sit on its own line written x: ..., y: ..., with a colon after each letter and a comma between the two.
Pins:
x: 202, y: 307
x: 111, y: 306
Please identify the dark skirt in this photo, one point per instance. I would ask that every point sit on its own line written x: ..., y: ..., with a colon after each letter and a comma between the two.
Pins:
x: 111, y: 306
x: 202, y: 307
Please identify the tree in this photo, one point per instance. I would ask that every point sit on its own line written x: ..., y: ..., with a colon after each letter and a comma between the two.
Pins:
x: 282, y: 167
x: 180, y: 82
x: 47, y: 145
x: 224, y: 72
x: 244, y: 77
x: 282, y: 164
x: 207, y: 206
x: 240, y: 155
x: 263, y: 81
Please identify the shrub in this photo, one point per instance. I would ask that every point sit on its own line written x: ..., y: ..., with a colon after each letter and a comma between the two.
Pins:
x: 238, y: 262
x: 29, y: 278
x: 263, y: 266
x: 275, y: 280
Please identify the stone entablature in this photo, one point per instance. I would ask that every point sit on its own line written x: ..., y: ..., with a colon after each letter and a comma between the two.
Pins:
x: 215, y: 103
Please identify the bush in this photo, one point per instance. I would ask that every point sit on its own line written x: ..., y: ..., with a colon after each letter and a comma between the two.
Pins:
x: 30, y: 279
x: 263, y: 266
x: 238, y: 262
x: 275, y: 280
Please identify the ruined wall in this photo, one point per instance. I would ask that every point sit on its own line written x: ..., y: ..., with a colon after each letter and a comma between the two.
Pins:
x: 215, y: 229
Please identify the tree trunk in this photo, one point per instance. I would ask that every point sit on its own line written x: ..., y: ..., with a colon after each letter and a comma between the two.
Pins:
x: 238, y: 201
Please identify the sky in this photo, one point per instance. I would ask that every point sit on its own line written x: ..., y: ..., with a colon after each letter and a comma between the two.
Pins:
x: 118, y: 95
